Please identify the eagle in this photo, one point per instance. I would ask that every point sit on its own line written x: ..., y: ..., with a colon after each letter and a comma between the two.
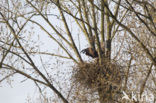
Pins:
x: 90, y: 52
x: 93, y: 52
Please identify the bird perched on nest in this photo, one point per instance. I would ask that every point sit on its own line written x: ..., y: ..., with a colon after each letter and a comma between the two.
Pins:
x: 91, y: 51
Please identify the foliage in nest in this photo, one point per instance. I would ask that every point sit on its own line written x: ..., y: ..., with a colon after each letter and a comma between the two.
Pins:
x: 105, y: 77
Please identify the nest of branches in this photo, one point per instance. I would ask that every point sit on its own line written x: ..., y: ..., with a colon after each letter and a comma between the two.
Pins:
x: 92, y: 75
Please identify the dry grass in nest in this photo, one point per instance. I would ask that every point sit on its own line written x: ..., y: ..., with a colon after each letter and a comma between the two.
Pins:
x: 94, y: 76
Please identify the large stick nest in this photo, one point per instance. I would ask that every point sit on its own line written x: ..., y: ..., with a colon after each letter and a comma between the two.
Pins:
x: 94, y: 76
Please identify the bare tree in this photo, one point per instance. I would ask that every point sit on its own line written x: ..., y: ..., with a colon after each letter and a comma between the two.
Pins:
x: 118, y: 31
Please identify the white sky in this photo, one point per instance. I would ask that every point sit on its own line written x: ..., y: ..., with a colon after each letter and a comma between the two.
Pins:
x: 19, y: 92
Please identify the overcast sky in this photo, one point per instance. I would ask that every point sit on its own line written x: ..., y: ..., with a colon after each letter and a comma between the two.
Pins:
x: 20, y: 91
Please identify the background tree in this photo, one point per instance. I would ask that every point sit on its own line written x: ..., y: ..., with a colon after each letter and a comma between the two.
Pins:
x: 124, y: 32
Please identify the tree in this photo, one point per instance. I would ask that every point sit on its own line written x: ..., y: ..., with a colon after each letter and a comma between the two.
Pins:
x: 126, y: 28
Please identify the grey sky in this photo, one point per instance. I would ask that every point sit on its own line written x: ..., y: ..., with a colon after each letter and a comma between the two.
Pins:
x: 18, y: 93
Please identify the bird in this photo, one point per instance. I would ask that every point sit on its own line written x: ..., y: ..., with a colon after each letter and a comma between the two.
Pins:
x: 90, y: 52
x: 93, y: 52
